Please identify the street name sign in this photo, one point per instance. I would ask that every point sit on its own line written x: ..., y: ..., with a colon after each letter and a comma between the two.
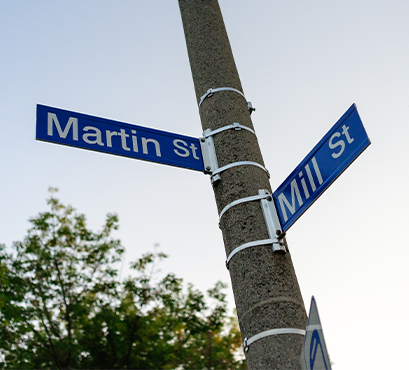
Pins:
x: 342, y: 144
x: 314, y: 354
x: 103, y: 135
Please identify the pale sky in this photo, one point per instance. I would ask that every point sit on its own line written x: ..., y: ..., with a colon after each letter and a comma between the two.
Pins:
x: 302, y: 64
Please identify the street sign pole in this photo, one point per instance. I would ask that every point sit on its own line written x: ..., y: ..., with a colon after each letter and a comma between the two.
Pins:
x: 253, y: 220
x: 269, y: 305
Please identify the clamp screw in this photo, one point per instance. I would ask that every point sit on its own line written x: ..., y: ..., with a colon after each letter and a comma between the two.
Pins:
x: 250, y: 107
x: 202, y: 139
x: 278, y: 232
x: 208, y: 168
x: 245, y: 345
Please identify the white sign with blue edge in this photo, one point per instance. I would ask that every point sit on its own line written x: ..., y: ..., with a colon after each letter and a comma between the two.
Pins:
x: 314, y: 355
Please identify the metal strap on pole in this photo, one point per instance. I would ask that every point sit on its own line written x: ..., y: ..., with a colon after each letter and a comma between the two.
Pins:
x: 243, y: 200
x: 267, y: 333
x: 211, y: 91
x: 241, y: 163
x: 234, y: 125
x: 273, y: 225
x: 209, y: 153
x: 256, y: 243
x: 272, y: 221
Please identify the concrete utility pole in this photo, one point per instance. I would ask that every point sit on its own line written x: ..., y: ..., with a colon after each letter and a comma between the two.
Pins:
x: 264, y: 283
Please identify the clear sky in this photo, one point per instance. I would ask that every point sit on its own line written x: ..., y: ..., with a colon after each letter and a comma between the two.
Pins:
x: 302, y: 64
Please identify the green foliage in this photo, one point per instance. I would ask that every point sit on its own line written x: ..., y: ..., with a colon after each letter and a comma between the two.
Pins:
x: 62, y: 305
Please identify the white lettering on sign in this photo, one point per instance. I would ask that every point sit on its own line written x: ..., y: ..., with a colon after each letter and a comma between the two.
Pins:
x: 93, y: 135
x: 52, y: 118
x: 183, y: 151
x: 295, y: 193
x: 283, y: 200
x: 307, y: 168
x: 109, y: 135
x: 96, y: 135
x: 99, y: 134
x: 134, y: 141
x: 178, y: 144
x: 340, y: 142
x: 123, y: 136
x: 145, y: 142
x: 194, y: 148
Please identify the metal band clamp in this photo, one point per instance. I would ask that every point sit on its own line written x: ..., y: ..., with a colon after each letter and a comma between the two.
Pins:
x: 209, y: 152
x: 267, y: 333
x: 211, y: 91
x: 243, y: 200
x: 248, y: 245
x: 234, y: 125
x: 242, y: 163
x: 271, y: 219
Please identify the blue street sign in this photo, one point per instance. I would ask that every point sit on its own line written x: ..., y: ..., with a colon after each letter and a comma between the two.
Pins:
x: 346, y: 140
x: 103, y: 135
x: 314, y: 354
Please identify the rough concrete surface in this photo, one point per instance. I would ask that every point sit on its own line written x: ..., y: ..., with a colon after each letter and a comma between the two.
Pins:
x: 265, y: 286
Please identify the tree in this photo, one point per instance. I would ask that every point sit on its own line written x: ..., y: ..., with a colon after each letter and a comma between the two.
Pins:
x: 62, y: 305
x: 60, y: 273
